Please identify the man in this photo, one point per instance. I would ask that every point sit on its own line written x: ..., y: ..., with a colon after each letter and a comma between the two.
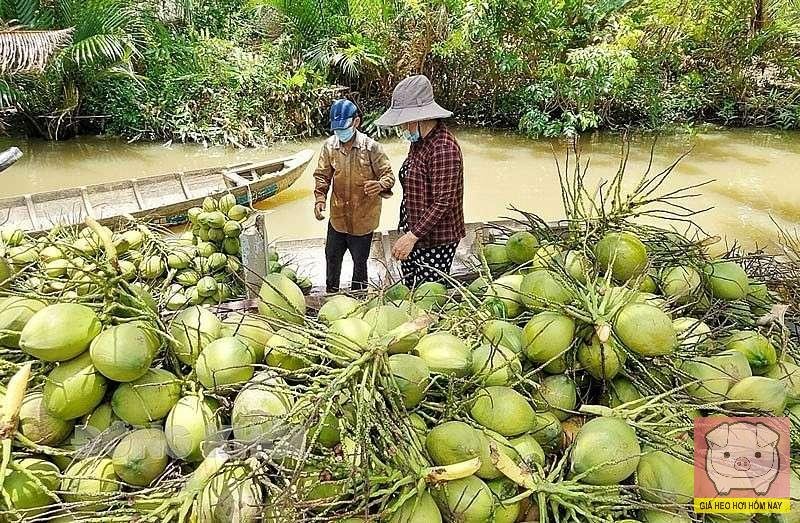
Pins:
x: 361, y: 175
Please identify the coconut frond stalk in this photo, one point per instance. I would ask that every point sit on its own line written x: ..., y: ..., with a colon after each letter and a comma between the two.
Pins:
x: 30, y: 51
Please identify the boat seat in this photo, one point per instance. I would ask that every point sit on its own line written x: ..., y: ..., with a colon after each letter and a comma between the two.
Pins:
x: 238, y: 180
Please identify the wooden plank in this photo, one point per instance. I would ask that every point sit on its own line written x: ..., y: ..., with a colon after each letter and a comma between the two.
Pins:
x: 254, y: 253
x: 87, y: 205
x: 32, y: 212
x: 240, y: 181
x: 184, y: 188
x: 137, y: 193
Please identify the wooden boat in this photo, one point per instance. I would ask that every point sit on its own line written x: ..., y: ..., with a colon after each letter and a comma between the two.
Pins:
x: 161, y: 199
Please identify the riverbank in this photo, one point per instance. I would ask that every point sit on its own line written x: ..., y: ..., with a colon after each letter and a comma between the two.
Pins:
x: 502, y: 169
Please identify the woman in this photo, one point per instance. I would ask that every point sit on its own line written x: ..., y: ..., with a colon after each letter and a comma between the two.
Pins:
x: 432, y: 177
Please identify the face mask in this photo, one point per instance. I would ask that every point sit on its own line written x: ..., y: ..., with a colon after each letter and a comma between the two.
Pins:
x: 345, y: 135
x: 409, y: 136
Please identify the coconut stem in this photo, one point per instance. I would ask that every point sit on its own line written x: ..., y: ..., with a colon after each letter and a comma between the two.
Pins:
x: 452, y: 472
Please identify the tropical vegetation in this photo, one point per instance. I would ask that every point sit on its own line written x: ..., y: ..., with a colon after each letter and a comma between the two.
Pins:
x: 247, y: 72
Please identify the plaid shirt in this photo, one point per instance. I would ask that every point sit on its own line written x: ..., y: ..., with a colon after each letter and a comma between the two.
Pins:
x: 433, y: 189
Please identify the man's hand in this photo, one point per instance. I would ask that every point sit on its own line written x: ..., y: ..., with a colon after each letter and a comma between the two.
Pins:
x: 404, y: 245
x: 319, y: 208
x: 372, y: 188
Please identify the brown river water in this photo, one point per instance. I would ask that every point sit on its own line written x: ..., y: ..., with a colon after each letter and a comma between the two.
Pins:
x: 755, y: 173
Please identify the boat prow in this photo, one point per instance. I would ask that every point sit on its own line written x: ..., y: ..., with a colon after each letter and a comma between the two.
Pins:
x: 161, y: 199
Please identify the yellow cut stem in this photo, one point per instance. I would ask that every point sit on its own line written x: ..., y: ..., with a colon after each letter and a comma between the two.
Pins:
x: 451, y: 472
x: 510, y: 469
x: 15, y: 392
x: 105, y: 238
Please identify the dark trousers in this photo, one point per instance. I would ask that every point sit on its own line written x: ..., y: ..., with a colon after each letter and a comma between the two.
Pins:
x: 335, y: 247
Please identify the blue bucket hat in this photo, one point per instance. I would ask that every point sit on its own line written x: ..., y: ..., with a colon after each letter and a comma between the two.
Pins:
x: 342, y: 113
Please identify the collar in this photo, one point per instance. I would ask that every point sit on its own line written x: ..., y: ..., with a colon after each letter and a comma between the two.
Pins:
x: 359, y: 143
x: 436, y: 131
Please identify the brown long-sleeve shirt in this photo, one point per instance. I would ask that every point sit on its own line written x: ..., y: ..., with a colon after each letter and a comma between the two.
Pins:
x: 351, y: 210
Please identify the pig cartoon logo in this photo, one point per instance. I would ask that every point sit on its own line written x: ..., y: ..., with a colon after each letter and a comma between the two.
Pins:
x: 742, y: 455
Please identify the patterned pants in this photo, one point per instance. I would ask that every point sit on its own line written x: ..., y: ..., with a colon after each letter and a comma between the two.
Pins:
x: 426, y: 263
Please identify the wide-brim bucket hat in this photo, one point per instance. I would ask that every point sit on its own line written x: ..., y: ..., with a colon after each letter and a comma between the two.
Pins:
x: 412, y: 101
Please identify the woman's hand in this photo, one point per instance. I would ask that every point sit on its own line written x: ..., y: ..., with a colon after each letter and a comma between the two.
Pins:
x: 404, y: 245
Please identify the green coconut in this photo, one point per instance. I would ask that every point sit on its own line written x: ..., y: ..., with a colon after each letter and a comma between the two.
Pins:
x: 663, y: 478
x: 606, y: 450
x: 558, y: 394
x: 478, y: 286
x: 283, y: 351
x: 503, y: 489
x: 620, y: 391
x: 646, y: 330
x: 547, y: 335
x: 281, y: 299
x: 74, y: 388
x: 250, y: 329
x: 418, y: 509
x: 542, y: 287
x: 503, y: 410
x: 759, y: 298
x: 759, y: 394
x: 496, y: 256
x: 89, y: 480
x: 466, y: 500
x: 727, y: 280
x: 411, y: 377
x: 680, y: 283
x: 147, y: 399
x: 28, y: 497
x: 622, y: 253
x: 385, y: 318
x: 547, y: 429
x: 529, y: 450
x: 712, y: 381
x: 430, y: 295
x: 506, y: 289
x: 758, y: 350
x: 691, y: 332
x: 578, y: 265
x: 337, y: 307
x: 453, y: 442
x: 789, y: 375
x: 602, y: 361
x: 348, y: 337
x: 100, y: 419
x: 38, y: 425
x: 445, y: 354
x: 397, y: 292
x: 504, y: 334
x: 521, y: 247
x: 232, y: 495
x: 548, y: 256
x: 488, y: 470
x: 225, y: 361
x: 15, y: 313
x: 140, y: 457
x: 495, y: 365
x: 124, y: 352
x: 191, y: 425
x: 59, y: 332
x: 192, y: 330
x: 259, y: 408
x: 732, y: 363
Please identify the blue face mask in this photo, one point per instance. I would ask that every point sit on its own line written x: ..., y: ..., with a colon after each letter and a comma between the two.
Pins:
x: 345, y: 135
x: 409, y: 136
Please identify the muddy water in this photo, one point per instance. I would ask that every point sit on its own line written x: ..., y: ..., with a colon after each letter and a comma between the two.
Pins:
x: 754, y: 175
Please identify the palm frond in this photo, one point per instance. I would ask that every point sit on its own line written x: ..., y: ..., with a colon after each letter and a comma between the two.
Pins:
x: 30, y: 51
